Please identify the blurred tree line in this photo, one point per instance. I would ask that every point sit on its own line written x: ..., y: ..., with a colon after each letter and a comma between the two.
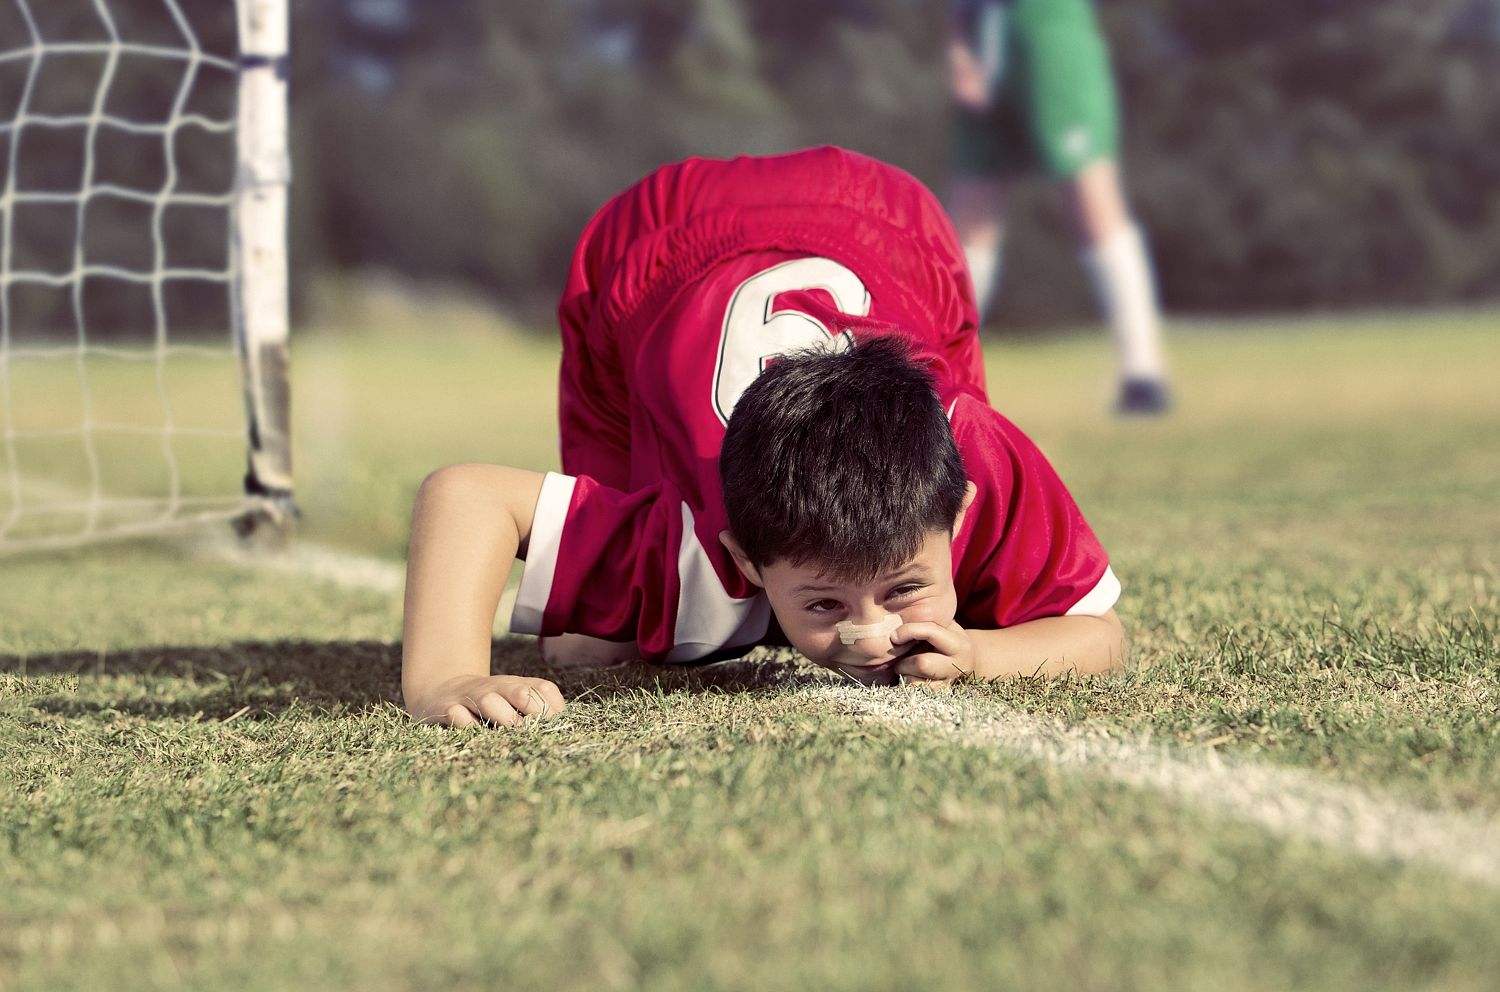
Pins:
x: 1282, y: 153
x: 470, y: 141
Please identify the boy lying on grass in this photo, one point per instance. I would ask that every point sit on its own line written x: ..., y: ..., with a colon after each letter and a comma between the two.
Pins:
x: 774, y: 430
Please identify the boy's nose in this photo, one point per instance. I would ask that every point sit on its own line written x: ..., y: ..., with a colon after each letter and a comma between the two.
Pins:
x: 873, y: 647
x: 881, y: 625
x: 869, y: 634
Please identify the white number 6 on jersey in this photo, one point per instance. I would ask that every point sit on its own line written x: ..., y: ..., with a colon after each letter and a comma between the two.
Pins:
x: 754, y: 332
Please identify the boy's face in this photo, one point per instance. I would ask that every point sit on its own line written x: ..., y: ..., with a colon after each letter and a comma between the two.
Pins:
x: 809, y: 605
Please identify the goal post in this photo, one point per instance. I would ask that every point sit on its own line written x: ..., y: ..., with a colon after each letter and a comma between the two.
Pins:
x: 263, y: 327
x: 143, y: 269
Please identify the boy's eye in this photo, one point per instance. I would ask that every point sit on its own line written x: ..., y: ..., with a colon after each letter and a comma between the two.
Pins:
x: 831, y: 605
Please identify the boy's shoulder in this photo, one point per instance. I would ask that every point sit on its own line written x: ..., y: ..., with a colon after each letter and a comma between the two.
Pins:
x: 1025, y: 549
x: 985, y: 433
x: 1010, y: 472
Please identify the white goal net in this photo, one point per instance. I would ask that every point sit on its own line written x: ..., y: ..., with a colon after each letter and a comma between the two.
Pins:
x: 143, y: 322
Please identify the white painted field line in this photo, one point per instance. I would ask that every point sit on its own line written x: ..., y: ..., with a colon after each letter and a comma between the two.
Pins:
x: 307, y: 559
x: 347, y: 569
x: 1285, y: 801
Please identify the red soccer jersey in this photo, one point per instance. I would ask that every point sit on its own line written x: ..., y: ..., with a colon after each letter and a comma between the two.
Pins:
x: 682, y: 289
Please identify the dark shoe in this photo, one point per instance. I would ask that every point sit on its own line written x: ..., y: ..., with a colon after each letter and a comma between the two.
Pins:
x: 1143, y: 398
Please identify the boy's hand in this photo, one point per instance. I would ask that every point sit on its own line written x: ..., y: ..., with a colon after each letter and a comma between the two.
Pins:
x: 499, y: 700
x: 948, y: 655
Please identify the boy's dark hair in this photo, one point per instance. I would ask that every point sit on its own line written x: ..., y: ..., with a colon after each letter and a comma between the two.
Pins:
x: 843, y: 459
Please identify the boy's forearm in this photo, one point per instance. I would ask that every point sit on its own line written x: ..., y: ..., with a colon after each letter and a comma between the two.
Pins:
x: 1051, y: 646
x: 469, y: 525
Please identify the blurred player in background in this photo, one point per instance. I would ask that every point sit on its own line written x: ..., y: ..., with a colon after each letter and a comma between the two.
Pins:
x: 1032, y: 84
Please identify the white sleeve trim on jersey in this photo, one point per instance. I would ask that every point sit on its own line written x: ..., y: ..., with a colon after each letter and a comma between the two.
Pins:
x: 541, y: 553
x: 708, y: 618
x: 1100, y: 599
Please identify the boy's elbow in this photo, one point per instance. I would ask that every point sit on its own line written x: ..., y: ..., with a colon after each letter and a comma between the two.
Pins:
x: 475, y: 495
x: 462, y: 480
x: 1116, y: 645
x: 464, y: 485
x: 452, y: 497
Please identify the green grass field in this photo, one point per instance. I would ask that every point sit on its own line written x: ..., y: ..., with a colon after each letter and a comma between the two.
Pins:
x: 206, y: 783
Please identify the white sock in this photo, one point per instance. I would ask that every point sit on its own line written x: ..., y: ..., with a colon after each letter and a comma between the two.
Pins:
x: 1126, y: 289
x: 984, y: 269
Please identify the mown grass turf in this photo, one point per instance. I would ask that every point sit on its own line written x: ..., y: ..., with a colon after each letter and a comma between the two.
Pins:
x: 739, y: 839
x: 205, y: 783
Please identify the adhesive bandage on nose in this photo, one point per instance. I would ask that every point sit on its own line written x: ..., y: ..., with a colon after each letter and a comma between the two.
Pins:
x: 849, y: 632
